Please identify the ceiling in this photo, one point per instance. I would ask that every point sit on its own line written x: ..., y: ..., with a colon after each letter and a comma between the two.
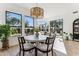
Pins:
x: 52, y: 9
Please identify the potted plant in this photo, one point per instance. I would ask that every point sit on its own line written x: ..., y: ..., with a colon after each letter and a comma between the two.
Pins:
x: 4, y: 34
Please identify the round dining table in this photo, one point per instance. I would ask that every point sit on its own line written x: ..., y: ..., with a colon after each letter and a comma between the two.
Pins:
x: 33, y: 38
x: 58, y: 44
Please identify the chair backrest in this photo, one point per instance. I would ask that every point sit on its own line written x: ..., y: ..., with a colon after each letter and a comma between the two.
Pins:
x: 50, y: 41
x: 21, y: 41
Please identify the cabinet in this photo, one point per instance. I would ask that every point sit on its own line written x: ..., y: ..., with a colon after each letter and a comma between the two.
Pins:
x: 76, y: 29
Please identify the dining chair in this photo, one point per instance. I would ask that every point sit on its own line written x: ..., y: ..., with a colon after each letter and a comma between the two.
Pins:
x: 47, y: 46
x: 24, y: 47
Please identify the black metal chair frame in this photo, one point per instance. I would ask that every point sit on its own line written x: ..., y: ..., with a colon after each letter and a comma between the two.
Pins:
x: 48, y: 43
x: 21, y: 45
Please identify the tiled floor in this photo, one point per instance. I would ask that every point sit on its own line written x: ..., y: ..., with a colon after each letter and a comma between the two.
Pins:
x: 72, y: 47
x: 13, y: 51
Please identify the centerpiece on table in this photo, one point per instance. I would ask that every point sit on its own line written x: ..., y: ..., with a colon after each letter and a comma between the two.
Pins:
x: 37, y: 32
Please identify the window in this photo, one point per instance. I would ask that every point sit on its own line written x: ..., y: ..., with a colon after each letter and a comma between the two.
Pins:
x: 29, y: 25
x: 15, y: 22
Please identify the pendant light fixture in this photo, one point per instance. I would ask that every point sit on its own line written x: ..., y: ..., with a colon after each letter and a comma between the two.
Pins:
x: 37, y: 12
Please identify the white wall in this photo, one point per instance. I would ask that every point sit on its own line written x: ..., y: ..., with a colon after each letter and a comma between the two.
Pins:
x: 68, y: 19
x: 12, y: 8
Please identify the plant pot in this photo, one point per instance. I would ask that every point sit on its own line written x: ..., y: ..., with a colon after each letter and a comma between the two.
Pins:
x: 5, y: 45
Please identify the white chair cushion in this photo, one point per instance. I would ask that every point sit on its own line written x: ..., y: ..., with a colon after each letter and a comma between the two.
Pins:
x: 28, y: 46
x: 44, y: 47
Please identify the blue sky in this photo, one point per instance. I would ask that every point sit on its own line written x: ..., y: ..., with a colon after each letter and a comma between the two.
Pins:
x: 42, y: 22
x: 14, y: 15
x: 29, y: 20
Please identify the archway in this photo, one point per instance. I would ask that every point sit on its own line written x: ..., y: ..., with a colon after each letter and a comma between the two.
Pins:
x: 76, y: 29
